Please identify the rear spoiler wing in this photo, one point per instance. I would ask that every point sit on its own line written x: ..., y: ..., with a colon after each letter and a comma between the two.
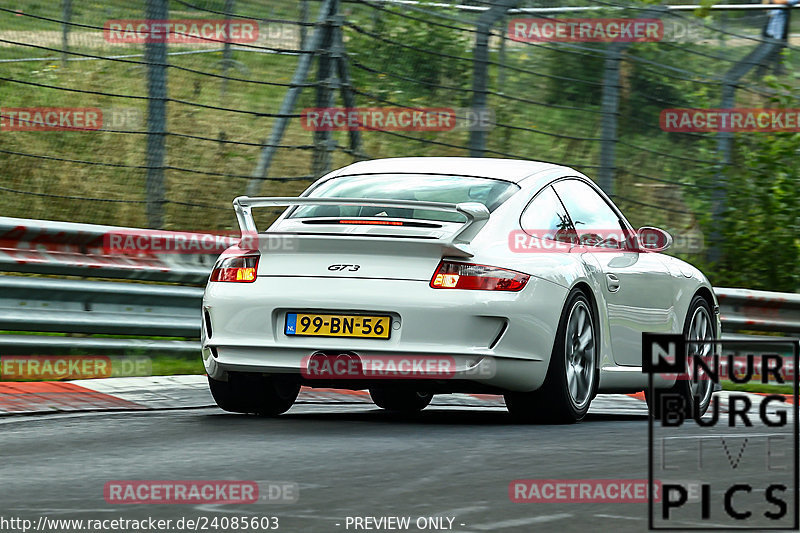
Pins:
x: 475, y: 213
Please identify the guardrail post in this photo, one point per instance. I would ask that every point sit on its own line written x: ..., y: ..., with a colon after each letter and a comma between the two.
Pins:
x: 480, y: 69
x: 156, y: 59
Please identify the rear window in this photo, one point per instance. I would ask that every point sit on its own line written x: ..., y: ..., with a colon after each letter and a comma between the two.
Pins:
x: 421, y: 187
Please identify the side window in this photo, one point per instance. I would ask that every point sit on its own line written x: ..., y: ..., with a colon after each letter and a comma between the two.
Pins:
x: 595, y: 222
x: 546, y: 218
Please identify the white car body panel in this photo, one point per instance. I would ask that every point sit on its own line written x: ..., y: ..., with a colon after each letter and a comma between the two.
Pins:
x: 513, y: 330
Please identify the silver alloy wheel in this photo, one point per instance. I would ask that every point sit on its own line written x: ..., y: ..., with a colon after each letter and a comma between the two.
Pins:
x: 579, y: 351
x: 700, y: 329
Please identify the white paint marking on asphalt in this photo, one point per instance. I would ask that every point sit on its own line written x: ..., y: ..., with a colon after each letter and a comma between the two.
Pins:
x: 223, y: 509
x: 519, y: 522
x: 135, y: 384
x: 464, y: 510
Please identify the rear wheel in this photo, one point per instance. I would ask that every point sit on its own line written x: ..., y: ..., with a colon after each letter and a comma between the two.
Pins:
x: 400, y: 400
x: 690, y: 394
x: 262, y: 395
x: 571, y: 381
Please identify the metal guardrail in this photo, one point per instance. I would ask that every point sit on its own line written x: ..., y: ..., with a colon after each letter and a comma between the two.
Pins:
x: 746, y: 309
x: 70, y: 249
x: 55, y: 302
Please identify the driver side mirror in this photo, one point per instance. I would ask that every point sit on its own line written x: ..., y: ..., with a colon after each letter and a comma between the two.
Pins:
x: 653, y: 239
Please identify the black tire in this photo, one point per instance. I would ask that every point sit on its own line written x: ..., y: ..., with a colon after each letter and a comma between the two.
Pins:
x: 553, y: 403
x: 681, y: 391
x: 261, y: 395
x: 407, y: 401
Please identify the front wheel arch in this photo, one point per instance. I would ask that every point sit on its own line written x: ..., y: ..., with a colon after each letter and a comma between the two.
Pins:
x: 706, y: 294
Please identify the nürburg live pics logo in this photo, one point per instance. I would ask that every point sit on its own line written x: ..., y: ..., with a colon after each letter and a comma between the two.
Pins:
x: 736, y: 466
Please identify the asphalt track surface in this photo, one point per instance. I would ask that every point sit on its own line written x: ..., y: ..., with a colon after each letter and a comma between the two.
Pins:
x: 354, y: 460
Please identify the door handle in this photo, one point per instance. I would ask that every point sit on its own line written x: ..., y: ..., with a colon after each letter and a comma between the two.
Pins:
x: 613, y: 282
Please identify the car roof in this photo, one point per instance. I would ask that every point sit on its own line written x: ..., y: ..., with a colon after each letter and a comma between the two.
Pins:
x: 514, y: 170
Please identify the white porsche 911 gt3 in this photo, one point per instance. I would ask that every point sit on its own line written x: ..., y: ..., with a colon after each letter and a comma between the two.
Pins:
x: 411, y: 277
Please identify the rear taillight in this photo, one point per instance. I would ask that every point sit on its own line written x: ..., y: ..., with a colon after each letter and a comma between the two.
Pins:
x: 453, y: 275
x: 238, y: 268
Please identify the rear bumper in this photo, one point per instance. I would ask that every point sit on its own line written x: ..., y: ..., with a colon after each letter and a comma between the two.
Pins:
x: 495, y: 339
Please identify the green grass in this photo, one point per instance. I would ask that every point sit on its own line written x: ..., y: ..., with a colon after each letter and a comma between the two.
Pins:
x: 160, y: 365
x: 165, y: 365
x: 758, y: 387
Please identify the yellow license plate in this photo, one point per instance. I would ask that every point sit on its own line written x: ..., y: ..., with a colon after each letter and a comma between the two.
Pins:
x: 316, y: 325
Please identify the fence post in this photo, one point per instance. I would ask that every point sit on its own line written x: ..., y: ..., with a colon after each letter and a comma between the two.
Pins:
x: 156, y: 58
x: 480, y: 74
x: 610, y: 117
x: 326, y: 83
x: 289, y: 101
x: 303, y: 20
x: 719, y: 190
x: 480, y: 69
x: 757, y: 57
x: 66, y: 17
x: 346, y: 86
x: 501, y: 71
